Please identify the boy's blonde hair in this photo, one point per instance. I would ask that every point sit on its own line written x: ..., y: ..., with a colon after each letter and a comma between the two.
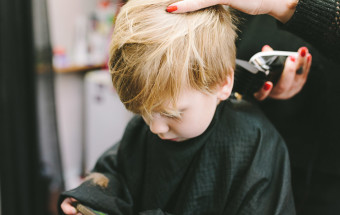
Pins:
x: 154, y: 54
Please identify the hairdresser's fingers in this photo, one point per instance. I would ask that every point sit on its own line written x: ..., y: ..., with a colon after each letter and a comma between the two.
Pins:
x: 304, y: 59
x: 301, y: 79
x: 263, y: 93
x: 303, y: 67
x: 253, y: 7
x: 309, y: 64
x: 282, y: 88
x: 190, y: 5
x: 301, y: 60
x: 67, y: 207
x: 266, y: 48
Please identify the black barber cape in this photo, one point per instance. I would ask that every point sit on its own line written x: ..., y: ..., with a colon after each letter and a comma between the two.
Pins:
x: 239, y: 165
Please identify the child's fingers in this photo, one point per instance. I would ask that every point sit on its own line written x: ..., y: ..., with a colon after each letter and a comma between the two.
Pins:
x: 67, y: 207
x: 264, y: 91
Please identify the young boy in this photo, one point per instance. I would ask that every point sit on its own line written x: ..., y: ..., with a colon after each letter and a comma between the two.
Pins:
x: 190, y: 149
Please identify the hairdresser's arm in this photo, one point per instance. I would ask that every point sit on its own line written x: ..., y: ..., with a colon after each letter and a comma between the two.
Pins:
x: 292, y: 80
x: 282, y: 10
x: 316, y: 21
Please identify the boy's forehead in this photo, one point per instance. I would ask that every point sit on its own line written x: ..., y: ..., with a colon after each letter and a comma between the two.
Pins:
x: 178, y: 104
x: 183, y: 100
x: 167, y: 108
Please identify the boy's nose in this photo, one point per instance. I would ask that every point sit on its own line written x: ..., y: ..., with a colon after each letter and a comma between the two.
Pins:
x: 158, y: 125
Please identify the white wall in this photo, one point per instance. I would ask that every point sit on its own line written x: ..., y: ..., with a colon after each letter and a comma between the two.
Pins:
x: 89, y: 115
x: 105, y: 116
x: 71, y: 92
x: 63, y: 15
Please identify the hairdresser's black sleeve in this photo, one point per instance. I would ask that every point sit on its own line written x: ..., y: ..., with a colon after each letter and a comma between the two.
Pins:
x: 317, y: 21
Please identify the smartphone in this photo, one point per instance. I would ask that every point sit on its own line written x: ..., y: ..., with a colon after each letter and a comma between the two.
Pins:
x: 85, y: 210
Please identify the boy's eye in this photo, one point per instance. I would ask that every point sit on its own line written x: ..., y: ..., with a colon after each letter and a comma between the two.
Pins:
x: 172, y: 116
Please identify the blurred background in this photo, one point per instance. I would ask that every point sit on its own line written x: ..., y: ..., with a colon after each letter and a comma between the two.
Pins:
x: 58, y: 109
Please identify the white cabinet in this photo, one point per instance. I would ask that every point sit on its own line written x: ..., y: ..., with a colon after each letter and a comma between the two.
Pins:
x: 105, y: 116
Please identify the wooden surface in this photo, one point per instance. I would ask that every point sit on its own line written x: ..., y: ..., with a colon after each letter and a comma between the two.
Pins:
x: 79, y: 68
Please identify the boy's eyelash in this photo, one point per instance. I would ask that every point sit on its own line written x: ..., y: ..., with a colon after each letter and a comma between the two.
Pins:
x: 171, y: 116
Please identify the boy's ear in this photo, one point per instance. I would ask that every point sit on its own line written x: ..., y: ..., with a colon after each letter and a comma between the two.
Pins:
x: 225, y: 89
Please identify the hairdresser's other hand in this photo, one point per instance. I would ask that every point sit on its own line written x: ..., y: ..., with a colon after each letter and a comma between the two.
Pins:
x: 282, y: 10
x: 67, y: 207
x: 293, y: 78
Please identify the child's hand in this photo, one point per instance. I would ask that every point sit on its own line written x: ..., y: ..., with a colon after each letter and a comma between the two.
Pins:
x: 67, y: 207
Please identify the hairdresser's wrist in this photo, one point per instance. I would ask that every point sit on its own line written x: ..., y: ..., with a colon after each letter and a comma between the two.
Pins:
x: 283, y: 10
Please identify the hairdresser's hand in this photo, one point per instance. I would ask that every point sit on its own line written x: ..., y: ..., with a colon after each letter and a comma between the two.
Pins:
x: 279, y: 9
x: 293, y: 78
x: 67, y: 207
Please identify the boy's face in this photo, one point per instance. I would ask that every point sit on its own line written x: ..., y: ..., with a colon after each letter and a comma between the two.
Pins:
x: 196, y: 112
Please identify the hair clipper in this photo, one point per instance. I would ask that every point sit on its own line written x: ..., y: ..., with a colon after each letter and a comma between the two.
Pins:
x: 263, y: 66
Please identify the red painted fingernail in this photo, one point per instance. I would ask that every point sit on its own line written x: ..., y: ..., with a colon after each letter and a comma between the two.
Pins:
x: 309, y: 57
x: 303, y: 51
x: 292, y: 58
x: 266, y: 86
x: 171, y: 8
x: 264, y: 47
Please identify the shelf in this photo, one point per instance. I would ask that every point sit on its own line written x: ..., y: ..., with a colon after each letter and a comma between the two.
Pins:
x: 72, y: 69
